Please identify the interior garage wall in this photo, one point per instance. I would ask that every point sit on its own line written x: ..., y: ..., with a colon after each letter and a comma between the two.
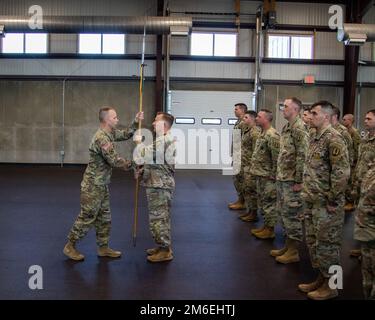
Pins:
x: 31, y: 114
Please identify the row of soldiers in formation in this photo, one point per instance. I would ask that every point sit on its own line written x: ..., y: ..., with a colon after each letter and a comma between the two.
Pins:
x: 309, y: 174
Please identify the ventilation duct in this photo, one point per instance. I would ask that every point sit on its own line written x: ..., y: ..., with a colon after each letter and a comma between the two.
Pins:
x: 99, y: 24
x: 356, y: 34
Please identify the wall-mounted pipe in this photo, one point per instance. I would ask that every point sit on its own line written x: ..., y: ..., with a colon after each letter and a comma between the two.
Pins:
x: 356, y: 33
x: 98, y: 24
x: 257, y: 84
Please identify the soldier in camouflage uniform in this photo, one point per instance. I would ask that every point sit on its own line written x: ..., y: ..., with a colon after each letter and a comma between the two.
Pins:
x: 366, y: 154
x: 290, y: 164
x: 348, y: 121
x: 249, y: 138
x: 364, y: 231
x: 239, y: 204
x: 95, y: 207
x: 263, y: 167
x: 158, y: 180
x: 349, y: 143
x: 326, y: 173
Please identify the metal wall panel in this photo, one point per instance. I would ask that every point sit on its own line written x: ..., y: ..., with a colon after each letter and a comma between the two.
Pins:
x: 328, y: 47
x: 366, y: 74
x: 74, y: 67
x: 271, y: 71
x: 63, y: 43
x: 220, y: 70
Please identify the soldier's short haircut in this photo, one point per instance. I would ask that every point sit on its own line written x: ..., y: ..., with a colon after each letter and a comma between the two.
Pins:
x: 268, y: 113
x: 336, y: 111
x: 327, y: 107
x: 103, y: 112
x: 251, y: 113
x: 371, y: 111
x: 167, y: 117
x: 307, y: 108
x: 296, y: 101
x: 242, y: 106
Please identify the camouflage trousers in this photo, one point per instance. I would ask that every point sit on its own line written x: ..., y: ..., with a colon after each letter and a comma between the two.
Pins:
x: 95, y: 212
x: 238, y: 180
x: 368, y: 269
x: 249, y: 189
x: 266, y: 190
x: 291, y: 209
x: 159, y: 207
x: 324, y: 234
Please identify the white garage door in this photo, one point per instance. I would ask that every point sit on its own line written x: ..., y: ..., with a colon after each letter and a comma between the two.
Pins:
x: 203, y: 126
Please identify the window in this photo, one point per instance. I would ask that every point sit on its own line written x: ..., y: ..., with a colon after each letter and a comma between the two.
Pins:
x: 213, y: 44
x: 35, y: 43
x: 232, y: 121
x: 13, y: 43
x: 290, y: 46
x: 181, y: 120
x: 102, y: 43
x: 211, y: 121
x: 25, y: 43
x: 90, y: 43
x: 113, y: 43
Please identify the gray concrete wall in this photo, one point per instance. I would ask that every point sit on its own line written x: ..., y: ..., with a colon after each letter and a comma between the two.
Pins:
x: 31, y: 112
x: 31, y: 117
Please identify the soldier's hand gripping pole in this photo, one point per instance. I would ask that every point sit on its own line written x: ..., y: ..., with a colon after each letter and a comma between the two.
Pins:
x: 141, y: 80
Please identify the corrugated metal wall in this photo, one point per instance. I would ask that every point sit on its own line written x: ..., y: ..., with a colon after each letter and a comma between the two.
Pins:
x: 326, y: 45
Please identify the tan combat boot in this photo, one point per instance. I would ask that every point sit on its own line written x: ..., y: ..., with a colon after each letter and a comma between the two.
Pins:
x: 108, y: 252
x: 251, y: 217
x: 257, y: 230
x: 163, y: 254
x: 240, y: 200
x: 278, y: 252
x: 153, y: 251
x: 309, y: 287
x: 266, y: 233
x: 292, y: 254
x: 237, y: 206
x: 71, y: 252
x: 355, y: 253
x: 324, y: 292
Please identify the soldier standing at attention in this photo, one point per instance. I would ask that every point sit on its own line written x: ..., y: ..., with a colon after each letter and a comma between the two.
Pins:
x: 239, y: 204
x: 348, y: 121
x: 158, y: 180
x: 249, y: 138
x: 335, y: 121
x: 366, y: 155
x: 364, y: 231
x: 95, y: 207
x: 327, y: 171
x: 263, y: 167
x: 290, y: 164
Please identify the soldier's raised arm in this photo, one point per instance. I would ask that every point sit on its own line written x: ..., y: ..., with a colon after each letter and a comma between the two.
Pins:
x: 127, y: 133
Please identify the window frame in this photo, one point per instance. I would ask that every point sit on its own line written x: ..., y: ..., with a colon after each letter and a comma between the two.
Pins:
x: 213, y: 33
x: 212, y: 124
x: 291, y: 35
x: 101, y: 45
x: 182, y: 118
x: 24, y: 44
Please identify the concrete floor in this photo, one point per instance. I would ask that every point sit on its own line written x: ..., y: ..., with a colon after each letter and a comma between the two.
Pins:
x: 215, y: 255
